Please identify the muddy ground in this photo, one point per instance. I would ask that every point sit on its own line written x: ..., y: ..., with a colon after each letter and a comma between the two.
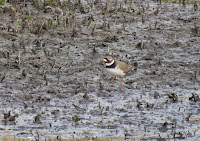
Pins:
x: 53, y: 84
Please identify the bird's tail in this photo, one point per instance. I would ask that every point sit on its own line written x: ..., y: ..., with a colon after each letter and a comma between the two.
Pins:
x: 135, y: 65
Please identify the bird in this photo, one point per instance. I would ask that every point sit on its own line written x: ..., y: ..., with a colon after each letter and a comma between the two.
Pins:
x: 118, y: 68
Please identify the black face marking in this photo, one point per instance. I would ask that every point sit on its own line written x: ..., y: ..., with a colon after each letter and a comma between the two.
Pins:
x: 106, y: 59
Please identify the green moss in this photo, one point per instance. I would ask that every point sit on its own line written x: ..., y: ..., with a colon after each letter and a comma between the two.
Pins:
x: 75, y: 118
x: 19, y: 23
x: 117, y: 9
x: 1, y: 1
x: 29, y: 17
x: 50, y: 1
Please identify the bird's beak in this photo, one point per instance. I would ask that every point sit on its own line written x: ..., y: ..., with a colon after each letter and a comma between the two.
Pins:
x: 103, y: 62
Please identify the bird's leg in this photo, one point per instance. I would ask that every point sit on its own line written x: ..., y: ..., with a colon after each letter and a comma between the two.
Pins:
x: 113, y: 79
x: 121, y: 82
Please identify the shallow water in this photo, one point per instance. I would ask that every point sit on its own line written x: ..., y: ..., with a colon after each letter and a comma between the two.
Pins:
x: 54, y: 80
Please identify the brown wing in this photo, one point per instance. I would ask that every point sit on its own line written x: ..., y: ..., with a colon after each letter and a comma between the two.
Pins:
x: 126, y: 68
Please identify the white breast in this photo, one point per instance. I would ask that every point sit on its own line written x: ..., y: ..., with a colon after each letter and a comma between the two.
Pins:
x: 116, y: 71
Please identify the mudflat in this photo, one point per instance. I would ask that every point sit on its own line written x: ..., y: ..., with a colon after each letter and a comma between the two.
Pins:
x: 53, y: 84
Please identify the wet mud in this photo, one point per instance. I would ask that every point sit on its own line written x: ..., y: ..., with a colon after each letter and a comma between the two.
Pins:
x: 53, y: 84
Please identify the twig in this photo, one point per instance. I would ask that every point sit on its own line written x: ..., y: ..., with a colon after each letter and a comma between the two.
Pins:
x: 24, y: 3
x: 19, y: 58
x: 41, y: 26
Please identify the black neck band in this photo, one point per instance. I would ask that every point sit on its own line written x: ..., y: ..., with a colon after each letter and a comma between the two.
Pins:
x: 112, y: 66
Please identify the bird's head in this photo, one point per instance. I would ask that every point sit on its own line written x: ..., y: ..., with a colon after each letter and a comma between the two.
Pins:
x: 108, y: 61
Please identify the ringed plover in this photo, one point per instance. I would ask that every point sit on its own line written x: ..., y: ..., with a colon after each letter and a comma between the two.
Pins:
x: 118, y: 68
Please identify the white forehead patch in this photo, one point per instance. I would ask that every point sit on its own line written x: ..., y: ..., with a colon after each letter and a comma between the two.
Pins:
x: 104, y: 60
